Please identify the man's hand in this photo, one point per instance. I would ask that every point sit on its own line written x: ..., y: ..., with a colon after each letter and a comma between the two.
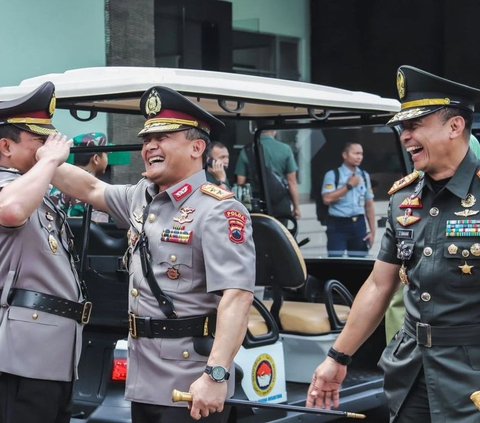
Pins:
x: 369, y: 239
x: 218, y: 171
x: 56, y: 147
x: 208, y: 397
x: 354, y: 180
x: 324, y: 391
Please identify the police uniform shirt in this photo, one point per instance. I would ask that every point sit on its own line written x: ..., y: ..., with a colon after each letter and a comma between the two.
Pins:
x: 35, y: 256
x: 353, y: 202
x: 216, y: 257
x: 443, y: 290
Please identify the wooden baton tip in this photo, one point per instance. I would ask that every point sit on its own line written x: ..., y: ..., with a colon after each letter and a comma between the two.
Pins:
x: 356, y: 415
x: 475, y: 397
x: 179, y: 396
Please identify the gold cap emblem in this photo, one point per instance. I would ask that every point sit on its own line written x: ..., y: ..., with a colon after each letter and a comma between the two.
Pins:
x: 52, y: 105
x: 153, y: 105
x: 401, y: 88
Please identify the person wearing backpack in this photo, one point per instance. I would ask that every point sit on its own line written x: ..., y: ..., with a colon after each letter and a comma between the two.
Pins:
x: 347, y: 191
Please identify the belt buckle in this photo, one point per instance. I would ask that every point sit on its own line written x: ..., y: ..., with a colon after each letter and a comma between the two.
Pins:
x: 354, y: 219
x: 86, y: 312
x: 424, y: 334
x: 132, y: 325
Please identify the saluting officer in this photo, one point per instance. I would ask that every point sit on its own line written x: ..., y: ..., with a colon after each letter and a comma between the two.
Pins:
x: 192, y: 264
x: 431, y: 246
x: 42, y: 307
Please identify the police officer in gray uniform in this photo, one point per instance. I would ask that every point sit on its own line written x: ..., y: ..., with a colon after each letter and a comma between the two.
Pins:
x: 191, y: 263
x: 431, y: 246
x: 42, y: 307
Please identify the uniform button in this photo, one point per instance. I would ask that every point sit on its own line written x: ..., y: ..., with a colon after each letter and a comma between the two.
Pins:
x: 185, y: 354
x: 434, y: 211
x: 425, y: 296
x: 134, y: 292
x: 173, y: 258
x: 34, y: 316
x: 49, y: 226
x: 452, y: 249
x: 427, y: 251
x: 475, y: 249
x: 465, y: 253
x: 151, y: 217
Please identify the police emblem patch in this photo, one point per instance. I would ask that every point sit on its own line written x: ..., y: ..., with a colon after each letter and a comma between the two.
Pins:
x: 236, y: 222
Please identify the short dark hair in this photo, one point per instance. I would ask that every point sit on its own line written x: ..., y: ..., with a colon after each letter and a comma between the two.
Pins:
x: 82, y: 159
x: 449, y: 112
x: 212, y: 145
x: 348, y: 144
x: 10, y: 131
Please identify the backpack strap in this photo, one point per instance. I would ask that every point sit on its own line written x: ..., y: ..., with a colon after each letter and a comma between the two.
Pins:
x: 336, y: 171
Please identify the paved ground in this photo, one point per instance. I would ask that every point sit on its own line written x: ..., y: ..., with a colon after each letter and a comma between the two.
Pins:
x: 310, y: 227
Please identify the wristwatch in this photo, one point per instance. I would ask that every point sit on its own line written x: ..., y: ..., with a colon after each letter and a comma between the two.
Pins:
x: 217, y: 373
x: 339, y: 357
x: 349, y: 187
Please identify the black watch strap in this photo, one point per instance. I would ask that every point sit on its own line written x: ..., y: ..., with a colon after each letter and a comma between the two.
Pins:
x: 349, y: 187
x: 339, y: 357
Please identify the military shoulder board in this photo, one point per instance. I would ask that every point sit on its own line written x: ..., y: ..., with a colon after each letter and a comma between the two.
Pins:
x: 216, y: 192
x: 404, y: 182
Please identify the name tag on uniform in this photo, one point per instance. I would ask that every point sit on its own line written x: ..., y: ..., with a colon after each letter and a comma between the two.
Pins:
x: 404, y: 233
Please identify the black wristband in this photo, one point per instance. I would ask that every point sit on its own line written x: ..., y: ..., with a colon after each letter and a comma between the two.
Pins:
x: 339, y: 357
x: 349, y: 187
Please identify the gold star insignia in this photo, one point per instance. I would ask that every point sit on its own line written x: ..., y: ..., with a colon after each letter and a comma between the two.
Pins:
x: 466, y: 269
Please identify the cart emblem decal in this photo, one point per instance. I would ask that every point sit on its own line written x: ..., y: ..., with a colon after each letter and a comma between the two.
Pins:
x: 264, y: 375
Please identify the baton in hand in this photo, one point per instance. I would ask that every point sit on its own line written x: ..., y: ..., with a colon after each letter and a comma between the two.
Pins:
x: 179, y: 396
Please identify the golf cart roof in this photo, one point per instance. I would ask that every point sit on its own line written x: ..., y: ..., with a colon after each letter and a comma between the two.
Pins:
x: 118, y: 89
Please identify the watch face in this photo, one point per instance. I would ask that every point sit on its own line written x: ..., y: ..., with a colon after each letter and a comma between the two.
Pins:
x: 218, y: 373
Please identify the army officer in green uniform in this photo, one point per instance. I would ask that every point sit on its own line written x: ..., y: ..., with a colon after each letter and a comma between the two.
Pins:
x: 191, y: 264
x: 432, y: 246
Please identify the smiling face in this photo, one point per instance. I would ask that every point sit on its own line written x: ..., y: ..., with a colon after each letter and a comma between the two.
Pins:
x: 435, y: 143
x: 170, y: 157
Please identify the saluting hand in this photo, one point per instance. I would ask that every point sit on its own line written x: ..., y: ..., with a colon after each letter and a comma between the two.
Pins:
x: 56, y: 147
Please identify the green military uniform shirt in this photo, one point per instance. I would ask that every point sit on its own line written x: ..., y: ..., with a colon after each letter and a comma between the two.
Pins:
x: 443, y: 290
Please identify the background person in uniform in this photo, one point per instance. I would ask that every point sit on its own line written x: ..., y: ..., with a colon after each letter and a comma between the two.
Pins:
x: 218, y: 159
x: 279, y: 157
x: 431, y: 366
x: 40, y: 345
x: 350, y: 201
x: 95, y: 164
x: 395, y: 313
x: 182, y: 221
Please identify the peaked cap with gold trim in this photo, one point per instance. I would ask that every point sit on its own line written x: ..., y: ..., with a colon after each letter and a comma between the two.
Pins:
x: 168, y: 111
x: 422, y: 93
x: 32, y: 112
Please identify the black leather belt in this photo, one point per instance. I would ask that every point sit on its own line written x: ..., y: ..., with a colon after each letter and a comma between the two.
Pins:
x: 171, y: 328
x: 347, y: 219
x: 429, y: 336
x: 50, y: 304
